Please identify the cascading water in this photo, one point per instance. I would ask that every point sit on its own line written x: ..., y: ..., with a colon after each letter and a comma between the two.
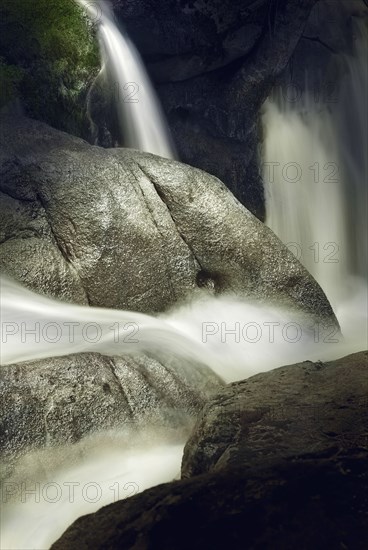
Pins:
x: 315, y: 173
x: 303, y: 189
x: 141, y: 121
x: 310, y: 213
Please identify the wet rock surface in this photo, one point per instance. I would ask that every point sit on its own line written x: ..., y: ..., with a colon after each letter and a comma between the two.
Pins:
x: 298, y: 410
x: 214, y: 64
x: 62, y: 399
x: 122, y: 229
x: 314, y: 505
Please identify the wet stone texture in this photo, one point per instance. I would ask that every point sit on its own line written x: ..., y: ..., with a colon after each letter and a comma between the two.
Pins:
x: 122, y: 229
x: 59, y: 400
x: 293, y: 411
x: 214, y: 64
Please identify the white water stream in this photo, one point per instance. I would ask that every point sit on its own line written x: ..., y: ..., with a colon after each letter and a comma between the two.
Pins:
x: 141, y: 120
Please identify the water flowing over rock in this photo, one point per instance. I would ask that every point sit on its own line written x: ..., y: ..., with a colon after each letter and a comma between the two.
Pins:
x: 327, y: 135
x: 141, y: 126
x: 122, y: 229
x: 170, y: 271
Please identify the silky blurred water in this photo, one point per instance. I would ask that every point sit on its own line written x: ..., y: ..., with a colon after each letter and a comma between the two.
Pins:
x: 141, y: 120
x: 315, y: 172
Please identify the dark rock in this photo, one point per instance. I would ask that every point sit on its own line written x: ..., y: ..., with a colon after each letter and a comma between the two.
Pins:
x: 59, y: 400
x: 295, y: 411
x: 181, y: 40
x: 315, y: 503
x: 122, y: 229
x: 260, y: 481
x: 318, y: 62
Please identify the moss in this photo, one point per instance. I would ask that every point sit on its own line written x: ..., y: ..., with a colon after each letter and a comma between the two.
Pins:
x: 49, y: 56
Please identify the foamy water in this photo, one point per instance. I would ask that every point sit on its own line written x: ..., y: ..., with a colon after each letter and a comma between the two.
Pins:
x: 51, y: 488
x: 233, y: 336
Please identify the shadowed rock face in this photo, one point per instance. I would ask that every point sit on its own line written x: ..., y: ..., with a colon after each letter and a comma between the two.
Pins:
x: 123, y: 229
x: 317, y: 504
x: 59, y: 400
x: 283, y: 481
x: 298, y: 410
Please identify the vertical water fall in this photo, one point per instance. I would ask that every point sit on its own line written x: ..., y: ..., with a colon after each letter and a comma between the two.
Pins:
x: 141, y: 119
x: 315, y: 174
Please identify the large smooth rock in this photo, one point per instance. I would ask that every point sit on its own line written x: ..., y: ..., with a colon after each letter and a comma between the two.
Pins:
x: 314, y: 504
x: 295, y: 411
x: 59, y: 400
x: 123, y: 229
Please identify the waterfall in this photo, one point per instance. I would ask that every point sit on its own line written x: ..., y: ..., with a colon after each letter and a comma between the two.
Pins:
x: 141, y: 119
x: 315, y: 174
x: 50, y: 488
